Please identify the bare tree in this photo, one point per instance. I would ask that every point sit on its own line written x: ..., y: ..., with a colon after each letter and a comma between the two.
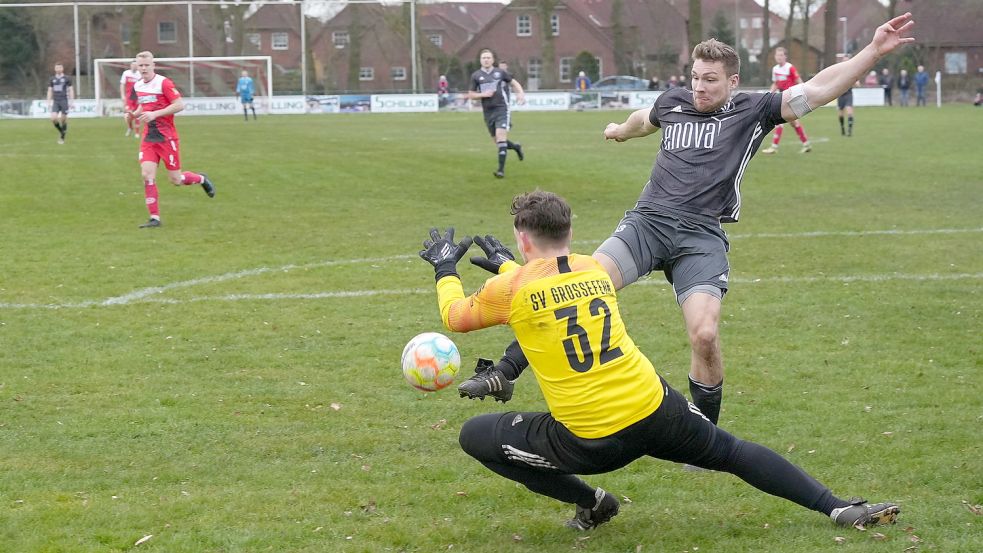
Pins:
x: 830, y: 44
x: 765, y: 42
x: 695, y: 25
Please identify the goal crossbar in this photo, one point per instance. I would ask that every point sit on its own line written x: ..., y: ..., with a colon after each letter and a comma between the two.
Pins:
x: 190, y: 60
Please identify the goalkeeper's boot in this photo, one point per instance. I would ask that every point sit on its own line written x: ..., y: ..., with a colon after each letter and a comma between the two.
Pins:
x: 861, y: 514
x: 487, y: 381
x: 604, y: 509
x: 499, y: 174
x: 207, y: 186
x: 152, y: 223
x: 518, y: 151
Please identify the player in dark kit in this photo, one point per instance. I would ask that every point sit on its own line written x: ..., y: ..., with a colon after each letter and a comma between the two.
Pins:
x: 844, y: 106
x: 608, y: 406
x: 492, y: 85
x: 60, y: 98
x: 709, y: 136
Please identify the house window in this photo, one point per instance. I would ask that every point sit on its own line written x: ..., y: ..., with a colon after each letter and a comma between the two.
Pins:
x: 366, y: 73
x: 565, y: 64
x: 124, y: 32
x: 436, y: 39
x: 280, y: 41
x: 340, y: 39
x: 756, y: 23
x: 166, y: 32
x: 955, y: 63
x: 758, y: 43
x: 523, y: 25
x: 398, y: 73
x: 744, y: 23
x: 255, y: 39
x: 535, y: 68
x: 555, y: 24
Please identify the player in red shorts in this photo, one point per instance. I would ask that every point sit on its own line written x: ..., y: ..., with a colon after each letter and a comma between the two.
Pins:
x: 783, y: 77
x: 158, y: 100
x: 126, y: 82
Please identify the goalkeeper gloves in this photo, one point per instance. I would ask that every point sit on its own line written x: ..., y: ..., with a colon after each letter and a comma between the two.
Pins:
x: 496, y: 254
x: 443, y: 253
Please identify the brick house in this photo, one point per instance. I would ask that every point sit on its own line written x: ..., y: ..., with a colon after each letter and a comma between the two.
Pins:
x: 367, y: 46
x: 636, y: 37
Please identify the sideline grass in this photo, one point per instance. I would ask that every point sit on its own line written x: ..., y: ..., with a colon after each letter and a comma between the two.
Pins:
x: 241, y: 392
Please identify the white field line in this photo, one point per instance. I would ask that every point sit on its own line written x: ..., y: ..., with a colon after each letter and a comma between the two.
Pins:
x: 151, y: 294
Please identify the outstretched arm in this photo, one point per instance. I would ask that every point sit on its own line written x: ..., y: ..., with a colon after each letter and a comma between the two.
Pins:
x: 836, y: 79
x: 636, y: 126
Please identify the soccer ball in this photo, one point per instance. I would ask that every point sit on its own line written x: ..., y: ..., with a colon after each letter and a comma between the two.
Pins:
x: 430, y: 361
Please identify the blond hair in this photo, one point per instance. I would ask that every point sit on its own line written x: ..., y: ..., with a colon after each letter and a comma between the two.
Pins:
x: 714, y: 50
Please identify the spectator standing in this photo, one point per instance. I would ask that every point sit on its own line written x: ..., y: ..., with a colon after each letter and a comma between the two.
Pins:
x: 887, y: 83
x: 654, y: 83
x: 904, y: 85
x: 672, y: 82
x: 921, y: 81
x: 582, y: 82
x: 871, y: 79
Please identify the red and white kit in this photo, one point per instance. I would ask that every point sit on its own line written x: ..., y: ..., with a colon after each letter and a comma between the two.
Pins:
x: 160, y: 138
x: 784, y: 76
x: 129, y: 78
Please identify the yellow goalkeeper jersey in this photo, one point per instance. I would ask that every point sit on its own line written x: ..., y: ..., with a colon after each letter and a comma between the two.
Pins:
x: 564, y: 312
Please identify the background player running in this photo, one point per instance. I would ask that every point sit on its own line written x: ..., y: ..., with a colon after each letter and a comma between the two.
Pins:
x: 607, y: 404
x: 158, y: 101
x: 126, y: 82
x: 785, y: 76
x: 60, y: 98
x: 492, y: 85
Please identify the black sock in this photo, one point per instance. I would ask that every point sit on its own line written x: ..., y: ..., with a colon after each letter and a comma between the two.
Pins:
x: 513, y: 362
x: 842, y: 130
x: 707, y: 398
x: 245, y: 114
x: 850, y: 124
x: 57, y: 125
x: 64, y: 129
x: 511, y: 145
x: 503, y: 152
x: 254, y: 112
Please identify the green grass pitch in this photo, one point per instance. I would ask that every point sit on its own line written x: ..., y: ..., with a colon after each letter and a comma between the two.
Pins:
x: 231, y: 383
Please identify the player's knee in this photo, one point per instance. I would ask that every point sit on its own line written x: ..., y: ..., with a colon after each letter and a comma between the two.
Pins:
x: 175, y: 179
x: 476, y: 436
x: 704, y: 336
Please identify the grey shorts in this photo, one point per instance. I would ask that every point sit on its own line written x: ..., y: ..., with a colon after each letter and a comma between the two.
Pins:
x: 845, y: 100
x: 59, y: 106
x: 690, y: 251
x: 498, y: 118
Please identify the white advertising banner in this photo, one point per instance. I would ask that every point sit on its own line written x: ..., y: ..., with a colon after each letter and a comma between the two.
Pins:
x: 543, y: 101
x: 281, y: 104
x: 642, y: 98
x: 220, y: 105
x: 403, y: 103
x: 79, y: 108
x: 867, y: 97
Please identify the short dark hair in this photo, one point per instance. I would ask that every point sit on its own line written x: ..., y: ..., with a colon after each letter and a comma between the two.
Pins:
x: 714, y: 50
x: 544, y: 215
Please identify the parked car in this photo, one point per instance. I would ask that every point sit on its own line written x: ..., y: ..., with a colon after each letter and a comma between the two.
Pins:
x: 621, y: 82
x: 614, y: 89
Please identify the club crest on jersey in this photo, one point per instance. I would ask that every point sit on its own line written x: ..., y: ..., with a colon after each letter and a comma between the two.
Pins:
x: 727, y: 108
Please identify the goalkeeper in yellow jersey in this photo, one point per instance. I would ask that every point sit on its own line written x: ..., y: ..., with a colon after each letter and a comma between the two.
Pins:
x: 607, y: 404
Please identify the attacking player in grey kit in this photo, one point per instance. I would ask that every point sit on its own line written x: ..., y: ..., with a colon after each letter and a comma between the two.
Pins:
x: 493, y: 86
x: 709, y: 135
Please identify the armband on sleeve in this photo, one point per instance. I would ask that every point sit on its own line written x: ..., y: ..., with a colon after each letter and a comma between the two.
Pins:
x: 798, y: 102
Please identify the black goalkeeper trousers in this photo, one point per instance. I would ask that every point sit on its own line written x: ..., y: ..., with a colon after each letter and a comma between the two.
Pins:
x: 540, y: 453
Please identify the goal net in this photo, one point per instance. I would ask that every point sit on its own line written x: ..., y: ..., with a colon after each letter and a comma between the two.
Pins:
x: 195, y: 77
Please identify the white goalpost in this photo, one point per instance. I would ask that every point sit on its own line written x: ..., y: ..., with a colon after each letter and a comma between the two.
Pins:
x: 195, y: 77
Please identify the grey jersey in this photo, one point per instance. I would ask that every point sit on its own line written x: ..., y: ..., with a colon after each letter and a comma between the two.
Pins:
x: 59, y: 87
x: 704, y: 155
x: 494, y: 79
